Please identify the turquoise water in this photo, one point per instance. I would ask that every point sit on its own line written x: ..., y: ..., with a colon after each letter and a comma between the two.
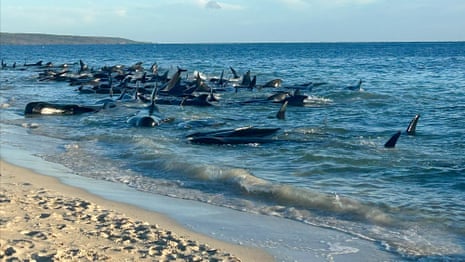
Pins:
x: 327, y: 166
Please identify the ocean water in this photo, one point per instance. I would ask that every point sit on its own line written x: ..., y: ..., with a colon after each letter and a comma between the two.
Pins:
x: 327, y: 165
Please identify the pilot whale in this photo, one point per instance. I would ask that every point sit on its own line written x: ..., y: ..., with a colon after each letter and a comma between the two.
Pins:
x: 146, y: 118
x: 357, y: 87
x: 143, y: 120
x: 241, y: 135
x: 46, y: 108
x: 282, y: 111
x: 411, y: 129
x: 391, y: 143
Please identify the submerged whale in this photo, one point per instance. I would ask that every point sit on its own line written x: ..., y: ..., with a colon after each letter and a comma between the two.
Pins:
x: 356, y: 87
x: 144, y: 121
x: 246, y: 131
x: 241, y: 135
x: 230, y: 140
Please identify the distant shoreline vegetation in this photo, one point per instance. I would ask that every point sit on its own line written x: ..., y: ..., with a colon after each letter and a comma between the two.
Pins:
x: 50, y: 39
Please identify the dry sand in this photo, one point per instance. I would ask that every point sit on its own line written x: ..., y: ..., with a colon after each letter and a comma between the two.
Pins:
x: 44, y: 220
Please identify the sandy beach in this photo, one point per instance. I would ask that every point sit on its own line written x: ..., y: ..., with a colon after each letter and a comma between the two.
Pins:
x: 44, y: 220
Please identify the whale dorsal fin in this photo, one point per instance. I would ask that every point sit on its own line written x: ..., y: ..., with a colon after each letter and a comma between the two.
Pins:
x: 411, y: 129
x: 282, y: 111
x: 234, y: 72
x: 391, y: 143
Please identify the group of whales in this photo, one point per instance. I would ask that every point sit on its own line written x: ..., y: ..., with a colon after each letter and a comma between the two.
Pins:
x: 134, y: 83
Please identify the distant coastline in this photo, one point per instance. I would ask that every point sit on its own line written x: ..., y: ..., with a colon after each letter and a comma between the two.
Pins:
x: 50, y: 39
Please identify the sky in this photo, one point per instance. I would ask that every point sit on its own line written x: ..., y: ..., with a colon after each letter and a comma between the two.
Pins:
x: 225, y: 21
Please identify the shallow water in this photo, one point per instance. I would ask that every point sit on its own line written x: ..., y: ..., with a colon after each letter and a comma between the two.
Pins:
x: 327, y: 167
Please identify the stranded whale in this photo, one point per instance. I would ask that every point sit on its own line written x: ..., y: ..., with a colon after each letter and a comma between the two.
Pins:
x: 241, y: 135
x: 46, y: 108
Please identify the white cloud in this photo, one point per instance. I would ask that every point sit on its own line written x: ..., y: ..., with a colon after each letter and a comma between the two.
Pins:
x: 213, y: 5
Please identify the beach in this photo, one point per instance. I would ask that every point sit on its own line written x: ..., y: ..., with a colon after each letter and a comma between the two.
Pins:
x: 48, y: 213
x: 322, y: 187
x: 43, y: 219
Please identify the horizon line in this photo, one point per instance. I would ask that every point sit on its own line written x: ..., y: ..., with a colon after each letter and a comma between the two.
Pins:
x: 307, y: 42
x: 253, y: 42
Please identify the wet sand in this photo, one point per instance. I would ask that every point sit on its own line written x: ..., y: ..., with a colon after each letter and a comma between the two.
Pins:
x: 44, y: 219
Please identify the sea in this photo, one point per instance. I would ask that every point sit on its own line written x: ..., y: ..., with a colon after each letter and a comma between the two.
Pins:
x: 326, y: 166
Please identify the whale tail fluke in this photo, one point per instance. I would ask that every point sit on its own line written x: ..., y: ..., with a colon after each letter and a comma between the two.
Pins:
x: 391, y: 143
x: 411, y: 129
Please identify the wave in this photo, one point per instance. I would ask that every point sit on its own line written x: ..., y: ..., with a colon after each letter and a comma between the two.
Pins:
x: 243, y: 184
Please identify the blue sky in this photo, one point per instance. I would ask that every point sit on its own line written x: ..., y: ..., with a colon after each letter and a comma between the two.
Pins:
x: 187, y: 21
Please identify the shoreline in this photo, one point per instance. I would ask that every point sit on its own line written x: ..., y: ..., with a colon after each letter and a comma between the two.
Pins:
x: 44, y: 218
x: 274, y: 238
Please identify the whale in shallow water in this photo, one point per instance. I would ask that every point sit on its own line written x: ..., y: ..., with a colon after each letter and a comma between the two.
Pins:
x: 282, y: 111
x: 46, y: 108
x: 144, y: 121
x: 173, y: 85
x: 275, y: 83
x: 411, y: 129
x: 391, y: 143
x: 297, y: 100
x: 200, y: 100
x: 146, y: 118
x: 279, y: 97
x: 230, y: 140
x: 356, y: 87
x: 38, y: 63
x: 247, y: 131
x: 235, y: 74
x: 241, y: 135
